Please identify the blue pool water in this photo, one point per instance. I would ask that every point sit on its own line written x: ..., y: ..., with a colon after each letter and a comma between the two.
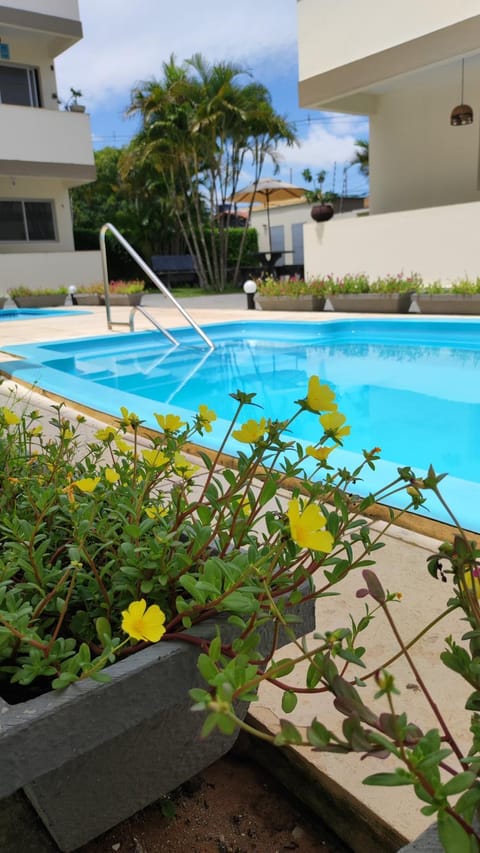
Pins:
x: 7, y: 314
x: 410, y: 386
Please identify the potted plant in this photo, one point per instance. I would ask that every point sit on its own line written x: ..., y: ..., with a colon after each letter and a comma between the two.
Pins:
x: 109, y: 545
x: 126, y: 292
x: 322, y: 209
x: 72, y: 104
x: 293, y: 294
x: 91, y: 294
x: 462, y: 297
x: 386, y: 294
x: 47, y: 297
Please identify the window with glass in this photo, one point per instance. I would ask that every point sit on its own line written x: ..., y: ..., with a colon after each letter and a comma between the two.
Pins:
x: 26, y: 221
x: 19, y: 86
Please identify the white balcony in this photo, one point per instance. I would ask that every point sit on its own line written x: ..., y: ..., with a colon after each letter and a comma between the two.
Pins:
x: 341, y: 71
x: 46, y: 143
x: 54, y: 22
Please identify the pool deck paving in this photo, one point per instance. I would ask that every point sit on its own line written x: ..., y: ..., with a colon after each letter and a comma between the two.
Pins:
x: 369, y: 819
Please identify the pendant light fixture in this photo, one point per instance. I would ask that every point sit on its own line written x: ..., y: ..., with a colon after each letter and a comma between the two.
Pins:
x: 463, y: 114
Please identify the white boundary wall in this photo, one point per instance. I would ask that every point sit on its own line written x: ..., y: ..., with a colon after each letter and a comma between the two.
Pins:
x: 439, y: 243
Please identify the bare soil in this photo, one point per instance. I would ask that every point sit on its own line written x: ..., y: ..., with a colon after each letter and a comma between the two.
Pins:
x: 234, y: 806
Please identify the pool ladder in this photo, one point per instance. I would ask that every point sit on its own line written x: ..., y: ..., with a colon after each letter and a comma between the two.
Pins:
x: 149, y: 272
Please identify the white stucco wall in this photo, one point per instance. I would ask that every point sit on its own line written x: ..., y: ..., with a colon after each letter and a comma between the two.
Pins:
x: 283, y: 215
x: 328, y: 30
x: 49, y: 269
x: 416, y: 158
x: 43, y: 136
x: 439, y: 243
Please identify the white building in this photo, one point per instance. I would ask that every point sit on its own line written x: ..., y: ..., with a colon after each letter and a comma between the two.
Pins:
x: 44, y: 150
x: 400, y: 64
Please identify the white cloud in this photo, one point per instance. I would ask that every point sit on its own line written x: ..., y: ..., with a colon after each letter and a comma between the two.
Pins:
x: 127, y: 42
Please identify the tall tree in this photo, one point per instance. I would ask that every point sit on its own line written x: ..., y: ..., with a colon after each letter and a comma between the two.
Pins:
x: 201, y: 127
x: 361, y: 158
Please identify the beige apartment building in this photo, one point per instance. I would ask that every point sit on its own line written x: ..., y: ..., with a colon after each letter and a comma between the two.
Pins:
x: 406, y: 66
x: 44, y: 149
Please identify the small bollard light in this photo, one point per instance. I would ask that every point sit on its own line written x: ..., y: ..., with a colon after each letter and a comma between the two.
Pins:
x: 72, y: 291
x: 250, y: 288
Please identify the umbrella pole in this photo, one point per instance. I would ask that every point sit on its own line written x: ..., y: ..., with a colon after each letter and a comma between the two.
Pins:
x: 268, y: 225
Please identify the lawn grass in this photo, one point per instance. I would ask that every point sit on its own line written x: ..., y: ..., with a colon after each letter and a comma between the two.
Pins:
x: 182, y: 291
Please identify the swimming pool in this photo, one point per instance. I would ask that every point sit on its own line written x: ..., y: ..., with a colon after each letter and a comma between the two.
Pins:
x: 7, y: 314
x: 410, y: 386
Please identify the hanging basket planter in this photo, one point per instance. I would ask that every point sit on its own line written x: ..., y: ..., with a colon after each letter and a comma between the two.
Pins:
x: 322, y: 212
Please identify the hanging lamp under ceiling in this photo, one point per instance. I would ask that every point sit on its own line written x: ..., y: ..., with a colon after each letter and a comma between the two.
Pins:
x: 463, y: 113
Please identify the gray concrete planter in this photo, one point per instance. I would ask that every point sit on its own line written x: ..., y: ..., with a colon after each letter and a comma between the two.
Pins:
x: 304, y: 302
x: 92, y: 755
x: 125, y: 298
x: 3, y: 299
x: 374, y: 303
x: 88, y: 299
x: 448, y: 303
x: 45, y: 300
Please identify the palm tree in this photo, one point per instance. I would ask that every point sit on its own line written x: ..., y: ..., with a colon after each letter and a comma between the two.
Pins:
x: 362, y: 156
x: 201, y: 126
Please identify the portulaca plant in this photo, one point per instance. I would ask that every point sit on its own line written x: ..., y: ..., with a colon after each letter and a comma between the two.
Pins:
x: 113, y: 543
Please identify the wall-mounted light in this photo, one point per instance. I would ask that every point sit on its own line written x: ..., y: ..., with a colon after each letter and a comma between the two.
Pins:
x: 463, y: 113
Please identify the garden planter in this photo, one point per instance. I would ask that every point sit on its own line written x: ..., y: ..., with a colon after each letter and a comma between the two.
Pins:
x: 322, y: 212
x: 90, y: 756
x: 88, y: 299
x: 41, y: 301
x: 448, y: 303
x: 375, y: 303
x: 303, y: 302
x: 2, y: 301
x: 125, y: 298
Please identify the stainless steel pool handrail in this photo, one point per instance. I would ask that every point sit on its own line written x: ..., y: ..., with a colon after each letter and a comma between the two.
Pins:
x: 149, y: 272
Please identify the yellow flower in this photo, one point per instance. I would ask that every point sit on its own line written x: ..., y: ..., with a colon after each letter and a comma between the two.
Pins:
x: 251, y: 431
x: 183, y: 466
x: 169, y: 423
x: 105, y: 434
x: 11, y: 419
x: 320, y: 397
x: 36, y: 430
x: 320, y: 453
x: 111, y: 475
x: 332, y: 423
x: 88, y: 484
x: 472, y: 581
x: 122, y: 446
x: 156, y: 511
x: 307, y: 527
x: 142, y: 623
x: 206, y: 416
x: 155, y: 458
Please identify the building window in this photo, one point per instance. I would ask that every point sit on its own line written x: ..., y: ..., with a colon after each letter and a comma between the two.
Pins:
x: 26, y: 221
x: 19, y: 86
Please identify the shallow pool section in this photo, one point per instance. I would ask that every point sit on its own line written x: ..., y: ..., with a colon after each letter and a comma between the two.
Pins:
x: 410, y: 386
x: 7, y: 314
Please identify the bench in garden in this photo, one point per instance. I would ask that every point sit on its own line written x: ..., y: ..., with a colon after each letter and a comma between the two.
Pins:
x: 175, y: 269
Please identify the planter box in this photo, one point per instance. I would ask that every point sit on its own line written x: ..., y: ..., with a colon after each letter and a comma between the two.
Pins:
x: 88, y: 299
x: 3, y: 299
x: 41, y: 301
x: 305, y: 302
x: 374, y: 303
x: 448, y: 303
x: 92, y: 755
x: 125, y: 298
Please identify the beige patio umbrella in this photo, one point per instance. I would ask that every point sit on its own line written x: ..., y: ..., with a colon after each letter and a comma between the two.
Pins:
x: 267, y: 190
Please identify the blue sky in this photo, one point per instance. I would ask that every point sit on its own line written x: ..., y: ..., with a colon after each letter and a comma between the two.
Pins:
x: 127, y: 42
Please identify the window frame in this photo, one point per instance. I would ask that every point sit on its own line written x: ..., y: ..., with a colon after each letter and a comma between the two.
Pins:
x: 23, y: 202
x: 33, y: 84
